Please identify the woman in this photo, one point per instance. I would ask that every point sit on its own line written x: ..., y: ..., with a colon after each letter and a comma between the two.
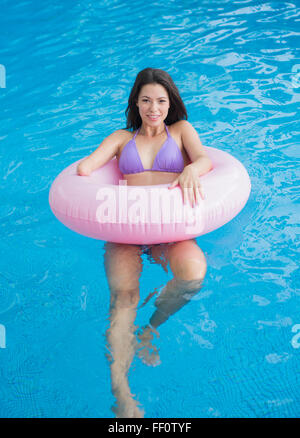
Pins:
x: 156, y: 113
x: 164, y: 148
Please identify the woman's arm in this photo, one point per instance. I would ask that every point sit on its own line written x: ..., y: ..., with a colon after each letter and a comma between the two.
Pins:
x: 200, y: 164
x: 104, y: 153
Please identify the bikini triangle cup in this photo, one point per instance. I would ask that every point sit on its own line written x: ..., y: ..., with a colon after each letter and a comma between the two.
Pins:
x: 168, y: 158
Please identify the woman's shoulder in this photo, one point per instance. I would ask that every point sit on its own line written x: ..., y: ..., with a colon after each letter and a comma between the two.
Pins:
x: 122, y: 132
x: 180, y: 124
x: 180, y: 127
x: 121, y: 135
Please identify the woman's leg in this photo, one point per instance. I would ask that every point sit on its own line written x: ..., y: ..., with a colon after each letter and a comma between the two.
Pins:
x: 188, y: 266
x: 123, y: 266
x: 187, y: 261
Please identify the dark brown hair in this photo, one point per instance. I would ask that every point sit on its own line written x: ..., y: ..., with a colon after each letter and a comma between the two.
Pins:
x: 177, y: 110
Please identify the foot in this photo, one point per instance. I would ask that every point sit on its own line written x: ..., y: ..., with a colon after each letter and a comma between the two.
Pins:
x: 127, y: 409
x: 148, y: 352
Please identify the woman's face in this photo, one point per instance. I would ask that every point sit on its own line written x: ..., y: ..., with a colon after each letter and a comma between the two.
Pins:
x: 153, y: 103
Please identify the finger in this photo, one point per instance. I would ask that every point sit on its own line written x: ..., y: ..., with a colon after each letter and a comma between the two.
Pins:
x: 191, y: 196
x: 197, y: 195
x: 174, y: 184
x: 201, y: 192
x: 185, y: 195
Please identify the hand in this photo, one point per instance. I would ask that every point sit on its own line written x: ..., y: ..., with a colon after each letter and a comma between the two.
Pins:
x: 83, y: 168
x: 190, y: 185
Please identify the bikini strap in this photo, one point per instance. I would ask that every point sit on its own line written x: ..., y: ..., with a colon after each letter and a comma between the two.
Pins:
x: 167, y: 130
x: 136, y: 132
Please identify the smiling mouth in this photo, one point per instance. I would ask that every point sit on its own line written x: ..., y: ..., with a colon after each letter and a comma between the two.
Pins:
x: 153, y: 117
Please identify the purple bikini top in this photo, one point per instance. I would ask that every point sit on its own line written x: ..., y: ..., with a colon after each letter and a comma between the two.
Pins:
x: 168, y: 158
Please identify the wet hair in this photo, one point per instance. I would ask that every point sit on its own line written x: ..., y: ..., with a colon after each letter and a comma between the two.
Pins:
x: 177, y: 110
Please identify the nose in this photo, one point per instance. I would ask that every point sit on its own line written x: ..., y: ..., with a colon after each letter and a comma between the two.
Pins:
x: 153, y: 107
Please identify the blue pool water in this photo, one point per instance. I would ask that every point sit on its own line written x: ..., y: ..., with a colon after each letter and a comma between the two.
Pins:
x: 67, y: 68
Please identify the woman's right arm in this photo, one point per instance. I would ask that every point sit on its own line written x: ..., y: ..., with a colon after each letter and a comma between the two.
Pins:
x: 104, y: 153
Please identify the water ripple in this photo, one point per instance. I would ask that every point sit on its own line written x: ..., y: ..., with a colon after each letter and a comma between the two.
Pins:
x: 70, y: 67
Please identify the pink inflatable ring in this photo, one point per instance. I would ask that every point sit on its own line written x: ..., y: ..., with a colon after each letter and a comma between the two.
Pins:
x: 103, y: 206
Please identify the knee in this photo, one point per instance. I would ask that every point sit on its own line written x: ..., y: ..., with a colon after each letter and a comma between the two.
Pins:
x: 125, y: 298
x: 123, y: 283
x: 190, y: 269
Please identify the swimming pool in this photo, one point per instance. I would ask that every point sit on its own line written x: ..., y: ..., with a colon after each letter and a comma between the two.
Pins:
x: 67, y: 68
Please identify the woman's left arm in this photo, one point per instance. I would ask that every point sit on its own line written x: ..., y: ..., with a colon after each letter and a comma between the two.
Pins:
x: 200, y: 164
